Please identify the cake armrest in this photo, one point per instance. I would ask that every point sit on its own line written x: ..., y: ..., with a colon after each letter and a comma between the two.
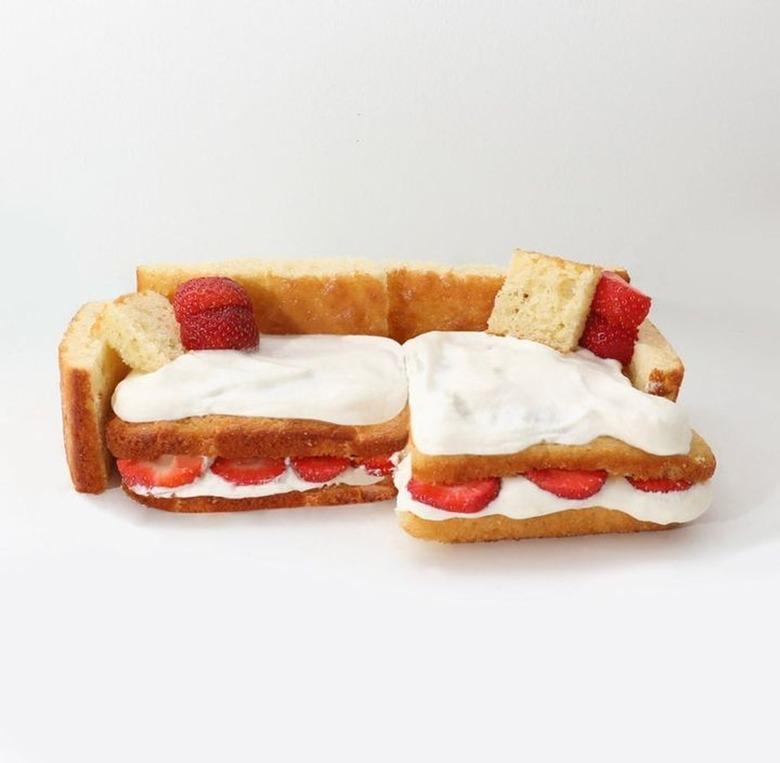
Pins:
x: 89, y: 372
x: 655, y: 367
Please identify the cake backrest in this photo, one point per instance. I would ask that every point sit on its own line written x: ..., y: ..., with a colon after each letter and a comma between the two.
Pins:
x: 312, y: 296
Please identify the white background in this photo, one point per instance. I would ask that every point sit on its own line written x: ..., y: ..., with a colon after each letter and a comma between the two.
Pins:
x: 641, y: 134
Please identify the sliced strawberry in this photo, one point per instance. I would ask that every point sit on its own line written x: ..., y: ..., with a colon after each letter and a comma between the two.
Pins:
x: 248, y: 471
x: 165, y: 471
x: 607, y: 340
x: 463, y: 497
x: 223, y: 328
x: 319, y: 468
x: 376, y: 465
x: 568, y: 483
x: 198, y: 295
x: 659, y: 485
x: 620, y: 303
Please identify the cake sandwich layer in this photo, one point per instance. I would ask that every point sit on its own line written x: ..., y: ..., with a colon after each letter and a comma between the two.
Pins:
x: 521, y: 509
x: 305, y: 420
x: 512, y: 439
x: 358, y: 482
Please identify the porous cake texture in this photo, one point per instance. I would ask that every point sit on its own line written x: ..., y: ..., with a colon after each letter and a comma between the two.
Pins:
x: 142, y: 328
x: 545, y: 299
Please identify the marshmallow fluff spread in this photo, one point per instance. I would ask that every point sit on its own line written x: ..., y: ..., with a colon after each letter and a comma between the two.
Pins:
x: 519, y: 498
x: 346, y: 380
x: 479, y: 394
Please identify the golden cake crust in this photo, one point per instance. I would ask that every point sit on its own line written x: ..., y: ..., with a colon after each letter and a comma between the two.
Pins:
x: 142, y: 328
x: 655, y: 367
x: 606, y: 453
x: 428, y: 297
x: 248, y: 437
x: 433, y: 297
x: 591, y: 521
x: 320, y: 296
x: 89, y: 371
x: 332, y: 495
x: 545, y: 298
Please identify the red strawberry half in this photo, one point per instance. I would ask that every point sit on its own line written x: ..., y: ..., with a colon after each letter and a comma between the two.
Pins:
x: 223, y: 328
x: 199, y: 295
x: 606, y: 340
x: 568, y: 483
x: 463, y: 497
x: 659, y: 485
x: 165, y: 471
x: 319, y: 468
x: 619, y: 303
x: 248, y: 471
x: 376, y: 465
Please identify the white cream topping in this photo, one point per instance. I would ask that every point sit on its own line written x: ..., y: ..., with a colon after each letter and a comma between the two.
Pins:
x: 475, y: 393
x: 349, y: 380
x: 519, y: 498
x: 212, y: 485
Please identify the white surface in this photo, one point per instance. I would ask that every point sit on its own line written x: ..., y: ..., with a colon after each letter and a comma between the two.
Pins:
x: 287, y: 377
x: 471, y: 392
x: 638, y: 133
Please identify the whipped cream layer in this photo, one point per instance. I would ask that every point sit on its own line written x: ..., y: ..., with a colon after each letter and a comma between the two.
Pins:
x: 347, y: 380
x: 519, y: 498
x: 479, y: 394
x: 212, y: 485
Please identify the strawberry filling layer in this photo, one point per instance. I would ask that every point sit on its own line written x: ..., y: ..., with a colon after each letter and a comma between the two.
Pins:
x: 567, y: 483
x: 519, y: 497
x: 574, y: 485
x: 463, y: 497
x: 165, y: 471
x: 215, y: 313
x: 191, y: 476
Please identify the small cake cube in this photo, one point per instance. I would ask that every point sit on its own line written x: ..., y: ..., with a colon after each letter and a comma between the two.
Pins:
x: 545, y: 299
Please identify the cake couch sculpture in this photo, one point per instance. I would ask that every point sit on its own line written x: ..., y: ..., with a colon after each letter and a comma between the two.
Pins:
x: 489, y: 405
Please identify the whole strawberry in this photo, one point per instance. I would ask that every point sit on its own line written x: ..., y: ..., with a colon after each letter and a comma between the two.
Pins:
x: 201, y: 294
x: 215, y: 313
x: 619, y: 303
x: 224, y: 328
x: 608, y: 340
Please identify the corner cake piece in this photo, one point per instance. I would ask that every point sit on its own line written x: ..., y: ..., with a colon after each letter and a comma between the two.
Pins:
x: 545, y: 299
x: 511, y: 439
